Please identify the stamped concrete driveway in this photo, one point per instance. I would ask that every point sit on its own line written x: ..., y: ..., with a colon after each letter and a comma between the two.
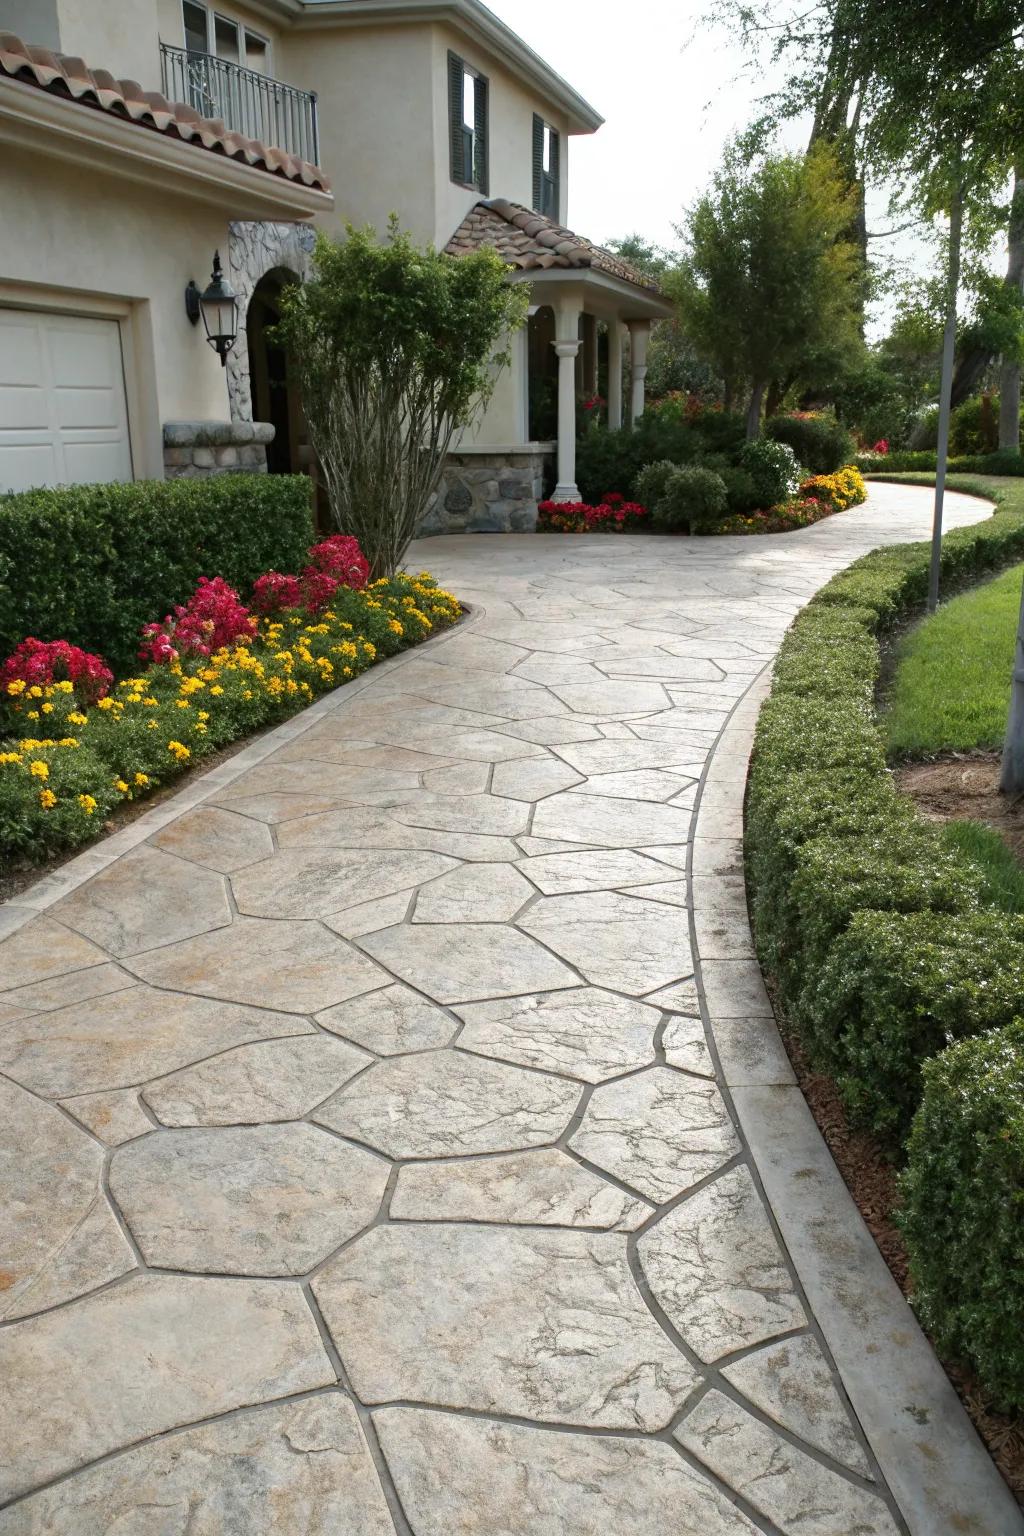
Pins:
x: 371, y: 1160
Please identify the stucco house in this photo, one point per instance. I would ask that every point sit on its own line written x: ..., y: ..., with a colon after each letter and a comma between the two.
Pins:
x: 140, y: 137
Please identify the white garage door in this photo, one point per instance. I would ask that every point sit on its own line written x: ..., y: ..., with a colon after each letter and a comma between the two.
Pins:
x: 63, y: 413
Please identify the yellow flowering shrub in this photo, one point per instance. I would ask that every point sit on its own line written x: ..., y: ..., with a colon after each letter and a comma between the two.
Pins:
x: 845, y: 488
x: 59, y: 784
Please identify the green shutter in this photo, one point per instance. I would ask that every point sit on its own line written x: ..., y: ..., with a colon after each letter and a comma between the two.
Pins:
x: 481, y: 172
x: 554, y: 177
x: 538, y: 163
x: 456, y: 138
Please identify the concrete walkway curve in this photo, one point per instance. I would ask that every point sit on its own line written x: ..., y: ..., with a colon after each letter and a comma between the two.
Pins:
x: 394, y: 1137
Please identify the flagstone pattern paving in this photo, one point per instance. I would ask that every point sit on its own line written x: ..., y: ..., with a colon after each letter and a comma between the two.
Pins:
x: 366, y: 1167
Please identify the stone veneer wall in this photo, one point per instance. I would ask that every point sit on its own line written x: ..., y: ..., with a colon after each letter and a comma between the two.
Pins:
x: 254, y: 249
x: 488, y: 493
x: 194, y: 449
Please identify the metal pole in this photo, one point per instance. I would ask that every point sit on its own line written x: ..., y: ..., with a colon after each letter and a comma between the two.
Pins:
x: 956, y: 214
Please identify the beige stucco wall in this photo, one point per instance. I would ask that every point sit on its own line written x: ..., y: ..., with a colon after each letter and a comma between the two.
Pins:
x: 375, y: 103
x: 119, y: 35
x: 80, y: 241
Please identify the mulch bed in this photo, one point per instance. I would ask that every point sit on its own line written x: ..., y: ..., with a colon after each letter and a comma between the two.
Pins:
x: 871, y: 1180
x: 965, y: 786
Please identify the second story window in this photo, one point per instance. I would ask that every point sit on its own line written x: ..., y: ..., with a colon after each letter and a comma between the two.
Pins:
x: 467, y: 124
x: 220, y: 37
x: 545, y: 168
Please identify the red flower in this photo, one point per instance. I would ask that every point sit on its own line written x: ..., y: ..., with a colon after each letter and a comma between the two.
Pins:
x: 41, y: 662
x: 213, y: 617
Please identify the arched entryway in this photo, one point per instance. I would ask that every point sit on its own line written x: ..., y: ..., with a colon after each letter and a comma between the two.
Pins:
x: 274, y: 397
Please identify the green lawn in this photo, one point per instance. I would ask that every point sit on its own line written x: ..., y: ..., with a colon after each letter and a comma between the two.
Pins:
x: 951, y: 689
x: 1002, y: 875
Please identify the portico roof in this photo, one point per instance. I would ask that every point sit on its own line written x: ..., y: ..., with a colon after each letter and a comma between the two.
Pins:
x: 530, y: 242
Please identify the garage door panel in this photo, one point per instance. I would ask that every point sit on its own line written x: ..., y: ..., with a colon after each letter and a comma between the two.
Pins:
x: 63, y: 411
x: 23, y: 408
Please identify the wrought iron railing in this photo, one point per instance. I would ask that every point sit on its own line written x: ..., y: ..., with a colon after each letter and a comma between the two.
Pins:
x: 249, y: 103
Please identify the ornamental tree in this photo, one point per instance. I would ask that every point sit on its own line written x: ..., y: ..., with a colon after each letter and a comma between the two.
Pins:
x: 396, y: 348
x: 769, y: 277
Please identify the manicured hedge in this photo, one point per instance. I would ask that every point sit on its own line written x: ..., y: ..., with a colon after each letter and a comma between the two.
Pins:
x: 1002, y: 462
x: 93, y: 563
x: 963, y: 1206
x: 864, y: 913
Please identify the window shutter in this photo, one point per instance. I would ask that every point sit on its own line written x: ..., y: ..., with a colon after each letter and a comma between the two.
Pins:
x: 556, y: 185
x: 480, y: 173
x: 538, y: 163
x: 459, y: 170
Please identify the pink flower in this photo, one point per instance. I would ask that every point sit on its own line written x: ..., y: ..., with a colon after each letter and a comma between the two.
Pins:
x: 41, y: 662
x: 213, y: 617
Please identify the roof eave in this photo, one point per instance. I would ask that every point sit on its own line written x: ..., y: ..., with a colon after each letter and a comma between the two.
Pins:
x: 73, y: 131
x: 627, y: 299
x: 474, y: 19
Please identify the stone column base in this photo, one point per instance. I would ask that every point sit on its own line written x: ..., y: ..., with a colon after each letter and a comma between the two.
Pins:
x: 195, y: 449
x: 488, y: 493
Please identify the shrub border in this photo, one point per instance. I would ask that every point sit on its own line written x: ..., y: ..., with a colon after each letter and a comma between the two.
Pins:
x: 934, y: 1473
x: 58, y: 883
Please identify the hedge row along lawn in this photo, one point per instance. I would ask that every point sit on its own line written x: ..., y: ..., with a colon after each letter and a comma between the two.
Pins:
x: 885, y: 939
x: 951, y: 688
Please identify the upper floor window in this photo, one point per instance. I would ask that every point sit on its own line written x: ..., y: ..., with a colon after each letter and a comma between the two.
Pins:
x: 208, y: 32
x: 545, y: 168
x: 467, y: 124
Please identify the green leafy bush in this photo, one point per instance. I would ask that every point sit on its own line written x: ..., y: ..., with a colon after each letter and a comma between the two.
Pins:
x: 652, y: 481
x: 1001, y: 462
x: 611, y: 460
x: 740, y: 490
x: 896, y: 988
x: 963, y: 1206
x: 93, y: 563
x: 820, y: 442
x: 692, y: 498
x: 773, y: 469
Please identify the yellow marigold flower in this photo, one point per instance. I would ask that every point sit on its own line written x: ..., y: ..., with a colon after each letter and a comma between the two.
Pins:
x: 78, y: 719
x: 107, y: 703
x: 10, y: 757
x: 47, y: 799
x: 152, y: 725
x: 150, y: 702
x: 64, y: 687
x: 33, y: 714
x: 35, y: 692
x: 217, y: 691
x: 17, y: 686
x: 142, y: 779
x: 47, y: 709
x: 182, y: 704
x: 204, y: 714
x: 121, y: 787
x: 179, y: 750
x: 68, y: 741
x: 87, y: 803
x: 38, y: 769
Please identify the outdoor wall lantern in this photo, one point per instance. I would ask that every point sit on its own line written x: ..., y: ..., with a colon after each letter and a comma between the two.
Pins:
x: 218, y: 305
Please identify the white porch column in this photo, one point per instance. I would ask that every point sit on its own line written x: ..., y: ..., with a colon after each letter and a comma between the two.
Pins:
x: 614, y: 374
x: 639, y: 335
x: 567, y: 345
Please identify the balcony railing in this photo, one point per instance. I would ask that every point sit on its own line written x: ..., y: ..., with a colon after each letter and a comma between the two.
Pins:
x: 248, y: 102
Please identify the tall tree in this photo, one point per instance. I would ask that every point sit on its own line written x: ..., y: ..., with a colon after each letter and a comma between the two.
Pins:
x: 1009, y: 374
x: 767, y: 276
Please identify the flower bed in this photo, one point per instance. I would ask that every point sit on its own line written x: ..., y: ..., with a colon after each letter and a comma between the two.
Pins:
x: 73, y: 747
x: 613, y: 514
x: 819, y: 497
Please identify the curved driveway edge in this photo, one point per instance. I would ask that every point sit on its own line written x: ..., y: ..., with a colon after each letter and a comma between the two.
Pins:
x: 941, y: 1475
x: 366, y: 1160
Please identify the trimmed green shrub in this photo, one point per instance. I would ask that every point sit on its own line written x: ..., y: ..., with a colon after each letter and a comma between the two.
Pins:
x: 1001, y: 462
x: 820, y: 442
x: 693, y: 498
x: 93, y: 563
x: 896, y: 988
x: 773, y: 469
x: 739, y: 489
x: 963, y: 1206
x: 652, y: 481
x: 611, y: 460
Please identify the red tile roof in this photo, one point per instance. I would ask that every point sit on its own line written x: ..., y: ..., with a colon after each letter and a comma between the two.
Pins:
x: 62, y: 75
x: 531, y: 242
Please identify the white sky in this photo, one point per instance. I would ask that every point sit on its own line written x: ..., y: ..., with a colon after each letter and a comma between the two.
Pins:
x: 667, y: 90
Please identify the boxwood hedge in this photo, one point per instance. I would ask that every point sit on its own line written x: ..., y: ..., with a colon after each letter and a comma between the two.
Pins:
x: 873, y: 925
x: 93, y: 563
x: 963, y: 1206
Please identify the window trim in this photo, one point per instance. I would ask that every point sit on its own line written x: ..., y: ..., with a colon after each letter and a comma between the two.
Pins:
x: 547, y: 180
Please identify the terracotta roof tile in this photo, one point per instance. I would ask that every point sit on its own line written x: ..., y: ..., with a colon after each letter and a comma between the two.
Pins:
x: 63, y: 75
x: 531, y: 242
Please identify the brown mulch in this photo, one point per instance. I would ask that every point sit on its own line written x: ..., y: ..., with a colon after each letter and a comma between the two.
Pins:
x: 871, y: 1180
x: 965, y: 786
